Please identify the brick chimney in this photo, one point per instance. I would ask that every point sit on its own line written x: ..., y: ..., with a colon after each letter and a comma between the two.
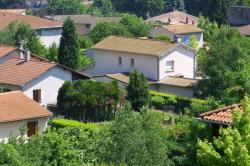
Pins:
x: 187, y: 20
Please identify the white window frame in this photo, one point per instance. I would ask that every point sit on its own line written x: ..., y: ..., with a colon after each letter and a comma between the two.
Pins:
x: 170, y: 66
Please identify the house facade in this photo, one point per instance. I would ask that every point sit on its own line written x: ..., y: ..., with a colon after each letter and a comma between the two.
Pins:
x: 157, y: 60
x: 179, y: 33
x: 21, y: 116
x: 37, y: 78
x: 48, y: 31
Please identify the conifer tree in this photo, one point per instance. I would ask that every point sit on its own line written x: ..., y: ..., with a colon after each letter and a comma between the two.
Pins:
x: 68, y: 53
x: 137, y: 90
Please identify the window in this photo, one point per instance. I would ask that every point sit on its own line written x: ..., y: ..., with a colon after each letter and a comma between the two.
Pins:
x: 37, y: 95
x: 88, y: 25
x: 120, y: 60
x: 132, y: 62
x: 32, y: 128
x: 170, y: 66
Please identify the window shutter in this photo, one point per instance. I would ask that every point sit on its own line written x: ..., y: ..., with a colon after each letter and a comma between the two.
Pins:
x: 37, y: 95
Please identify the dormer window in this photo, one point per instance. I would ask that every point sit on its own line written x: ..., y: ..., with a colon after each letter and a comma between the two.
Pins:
x: 169, y: 66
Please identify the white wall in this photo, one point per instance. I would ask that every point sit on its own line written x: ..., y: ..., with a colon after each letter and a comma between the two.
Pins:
x: 13, y: 128
x: 184, y: 63
x: 176, y: 90
x: 106, y: 62
x: 49, y: 83
x: 50, y: 36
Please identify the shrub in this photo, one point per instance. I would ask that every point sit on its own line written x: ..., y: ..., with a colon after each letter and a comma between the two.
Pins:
x: 64, y: 123
x: 162, y: 38
x: 157, y: 101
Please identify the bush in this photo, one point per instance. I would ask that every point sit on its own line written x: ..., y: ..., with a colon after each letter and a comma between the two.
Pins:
x: 162, y: 38
x: 64, y: 123
x: 179, y: 102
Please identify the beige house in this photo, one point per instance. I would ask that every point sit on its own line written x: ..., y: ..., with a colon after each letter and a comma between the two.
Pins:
x: 21, y: 116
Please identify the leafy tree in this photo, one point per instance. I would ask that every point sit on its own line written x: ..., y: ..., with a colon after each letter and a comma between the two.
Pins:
x: 225, y: 65
x: 8, y: 3
x: 135, y: 25
x: 211, y: 29
x: 52, y: 53
x: 140, y: 7
x: 82, y: 100
x: 64, y: 7
x: 105, y: 29
x: 134, y: 139
x: 137, y: 90
x: 232, y: 147
x: 10, y: 156
x: 19, y: 32
x: 105, y: 6
x: 175, y: 5
x: 193, y: 43
x: 68, y: 53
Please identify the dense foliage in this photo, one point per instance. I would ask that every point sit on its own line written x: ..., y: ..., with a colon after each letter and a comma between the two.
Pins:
x: 17, y: 33
x: 88, y: 100
x: 225, y: 65
x: 137, y: 90
x: 68, y: 53
x: 232, y: 147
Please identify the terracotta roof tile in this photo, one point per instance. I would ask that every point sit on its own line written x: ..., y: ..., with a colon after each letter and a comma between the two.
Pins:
x: 36, y: 23
x: 4, y: 50
x: 176, y: 17
x: 16, y: 106
x: 134, y: 45
x: 18, y: 72
x: 221, y: 115
x: 245, y: 30
x: 183, y: 29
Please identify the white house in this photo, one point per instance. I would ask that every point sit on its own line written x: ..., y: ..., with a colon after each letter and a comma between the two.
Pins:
x: 37, y: 78
x: 21, y: 116
x: 161, y: 62
x: 48, y: 31
x: 179, y: 33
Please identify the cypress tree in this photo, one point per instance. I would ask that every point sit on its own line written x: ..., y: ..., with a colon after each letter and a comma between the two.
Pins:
x: 137, y: 90
x: 68, y: 53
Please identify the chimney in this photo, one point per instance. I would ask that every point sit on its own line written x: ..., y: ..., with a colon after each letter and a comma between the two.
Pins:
x: 27, y: 55
x: 187, y: 20
x: 21, y: 52
x: 192, y: 22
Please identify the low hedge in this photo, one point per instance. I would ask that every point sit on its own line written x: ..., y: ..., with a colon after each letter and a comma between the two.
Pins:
x: 158, y: 100
x: 63, y: 123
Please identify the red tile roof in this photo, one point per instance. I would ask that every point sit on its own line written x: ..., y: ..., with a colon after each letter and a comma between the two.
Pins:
x: 18, y: 72
x: 36, y: 23
x: 15, y: 106
x: 221, y: 115
x: 245, y: 30
x: 4, y: 50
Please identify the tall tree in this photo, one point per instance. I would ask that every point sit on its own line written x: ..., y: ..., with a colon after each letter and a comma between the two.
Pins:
x: 137, y: 90
x: 68, y: 53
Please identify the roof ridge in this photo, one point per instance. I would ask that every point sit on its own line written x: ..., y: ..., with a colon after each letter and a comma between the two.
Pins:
x: 221, y: 109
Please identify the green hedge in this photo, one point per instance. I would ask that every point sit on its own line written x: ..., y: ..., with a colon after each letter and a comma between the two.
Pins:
x: 159, y: 99
x: 63, y: 123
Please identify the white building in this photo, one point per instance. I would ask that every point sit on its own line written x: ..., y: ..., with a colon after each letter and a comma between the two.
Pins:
x: 48, y: 31
x: 37, y: 78
x: 160, y: 62
x: 21, y: 116
x: 179, y: 33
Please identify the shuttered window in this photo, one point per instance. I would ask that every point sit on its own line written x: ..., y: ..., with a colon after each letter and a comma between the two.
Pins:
x: 32, y: 128
x: 37, y: 95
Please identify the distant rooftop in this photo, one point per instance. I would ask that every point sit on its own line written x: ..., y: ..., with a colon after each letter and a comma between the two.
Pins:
x: 36, y: 23
x: 175, y: 17
x: 16, y: 11
x: 183, y: 29
x: 84, y: 18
